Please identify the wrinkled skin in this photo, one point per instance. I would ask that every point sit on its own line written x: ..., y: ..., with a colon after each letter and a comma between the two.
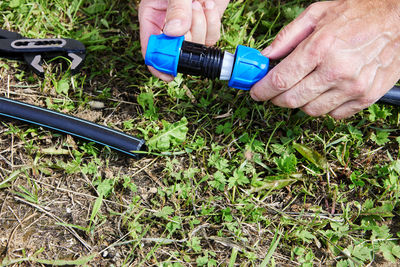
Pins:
x: 341, y: 57
x: 199, y: 21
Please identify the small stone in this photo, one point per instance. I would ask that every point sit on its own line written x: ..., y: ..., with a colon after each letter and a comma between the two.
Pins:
x: 96, y: 104
x: 152, y: 190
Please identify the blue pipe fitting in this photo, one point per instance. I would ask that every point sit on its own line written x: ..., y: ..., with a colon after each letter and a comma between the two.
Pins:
x: 172, y: 54
x: 163, y: 53
x: 250, y: 66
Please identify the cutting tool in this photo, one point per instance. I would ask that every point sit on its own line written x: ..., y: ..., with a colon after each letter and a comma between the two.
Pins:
x: 34, y: 51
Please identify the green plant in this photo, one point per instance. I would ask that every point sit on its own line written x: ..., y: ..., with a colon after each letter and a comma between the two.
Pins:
x: 226, y: 181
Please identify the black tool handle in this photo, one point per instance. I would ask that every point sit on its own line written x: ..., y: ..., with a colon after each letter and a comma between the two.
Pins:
x: 71, y: 125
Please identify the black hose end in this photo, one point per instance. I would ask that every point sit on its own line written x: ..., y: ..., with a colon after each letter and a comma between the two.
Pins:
x: 392, y: 97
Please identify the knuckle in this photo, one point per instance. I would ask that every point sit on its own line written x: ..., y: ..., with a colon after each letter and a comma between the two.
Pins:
x: 359, y: 87
x: 176, y: 11
x: 336, y: 75
x: 341, y: 73
x: 313, y: 8
x: 281, y: 36
x: 332, y: 76
x: 312, y: 110
x: 278, y: 82
x: 316, y: 10
x: 312, y: 11
x: 290, y: 102
x: 214, y: 20
x: 319, y: 45
x: 366, y: 101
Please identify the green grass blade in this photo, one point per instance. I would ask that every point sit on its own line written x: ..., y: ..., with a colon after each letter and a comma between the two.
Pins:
x: 10, y: 178
x: 96, y: 208
x: 74, y: 226
x: 233, y: 257
x: 272, y: 248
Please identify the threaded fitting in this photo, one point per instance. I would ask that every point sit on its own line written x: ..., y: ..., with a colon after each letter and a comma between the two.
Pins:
x: 200, y: 60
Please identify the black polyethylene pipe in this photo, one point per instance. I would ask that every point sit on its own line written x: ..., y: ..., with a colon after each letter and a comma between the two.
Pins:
x: 71, y: 125
x: 392, y: 97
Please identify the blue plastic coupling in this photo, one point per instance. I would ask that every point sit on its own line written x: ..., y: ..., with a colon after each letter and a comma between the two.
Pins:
x: 163, y: 53
x: 172, y: 54
x: 250, y: 66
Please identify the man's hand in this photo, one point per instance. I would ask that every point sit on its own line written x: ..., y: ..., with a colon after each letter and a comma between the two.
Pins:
x: 342, y: 56
x: 199, y: 21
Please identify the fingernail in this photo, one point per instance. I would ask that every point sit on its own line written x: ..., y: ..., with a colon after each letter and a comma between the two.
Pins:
x: 210, y: 5
x: 196, y: 5
x: 172, y: 25
x: 266, y: 51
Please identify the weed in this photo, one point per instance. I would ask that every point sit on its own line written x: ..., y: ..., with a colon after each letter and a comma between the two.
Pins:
x: 226, y: 181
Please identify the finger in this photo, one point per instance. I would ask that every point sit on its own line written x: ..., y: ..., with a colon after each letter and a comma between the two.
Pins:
x: 326, y: 102
x: 151, y: 20
x: 304, y: 92
x: 289, y: 71
x: 199, y: 28
x: 178, y: 19
x: 161, y: 75
x: 348, y: 109
x: 221, y: 6
x: 296, y: 31
x: 345, y: 84
x: 213, y: 19
x: 384, y: 80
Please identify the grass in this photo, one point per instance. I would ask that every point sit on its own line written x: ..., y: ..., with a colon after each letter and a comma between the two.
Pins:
x: 227, y: 181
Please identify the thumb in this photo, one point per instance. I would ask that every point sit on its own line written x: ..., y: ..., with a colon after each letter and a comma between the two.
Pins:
x: 296, y: 31
x: 178, y: 18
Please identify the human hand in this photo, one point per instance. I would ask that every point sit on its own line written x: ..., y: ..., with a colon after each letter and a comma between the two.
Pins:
x: 199, y: 21
x: 342, y: 56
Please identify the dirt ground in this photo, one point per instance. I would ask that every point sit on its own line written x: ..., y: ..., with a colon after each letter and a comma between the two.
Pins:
x: 26, y: 227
